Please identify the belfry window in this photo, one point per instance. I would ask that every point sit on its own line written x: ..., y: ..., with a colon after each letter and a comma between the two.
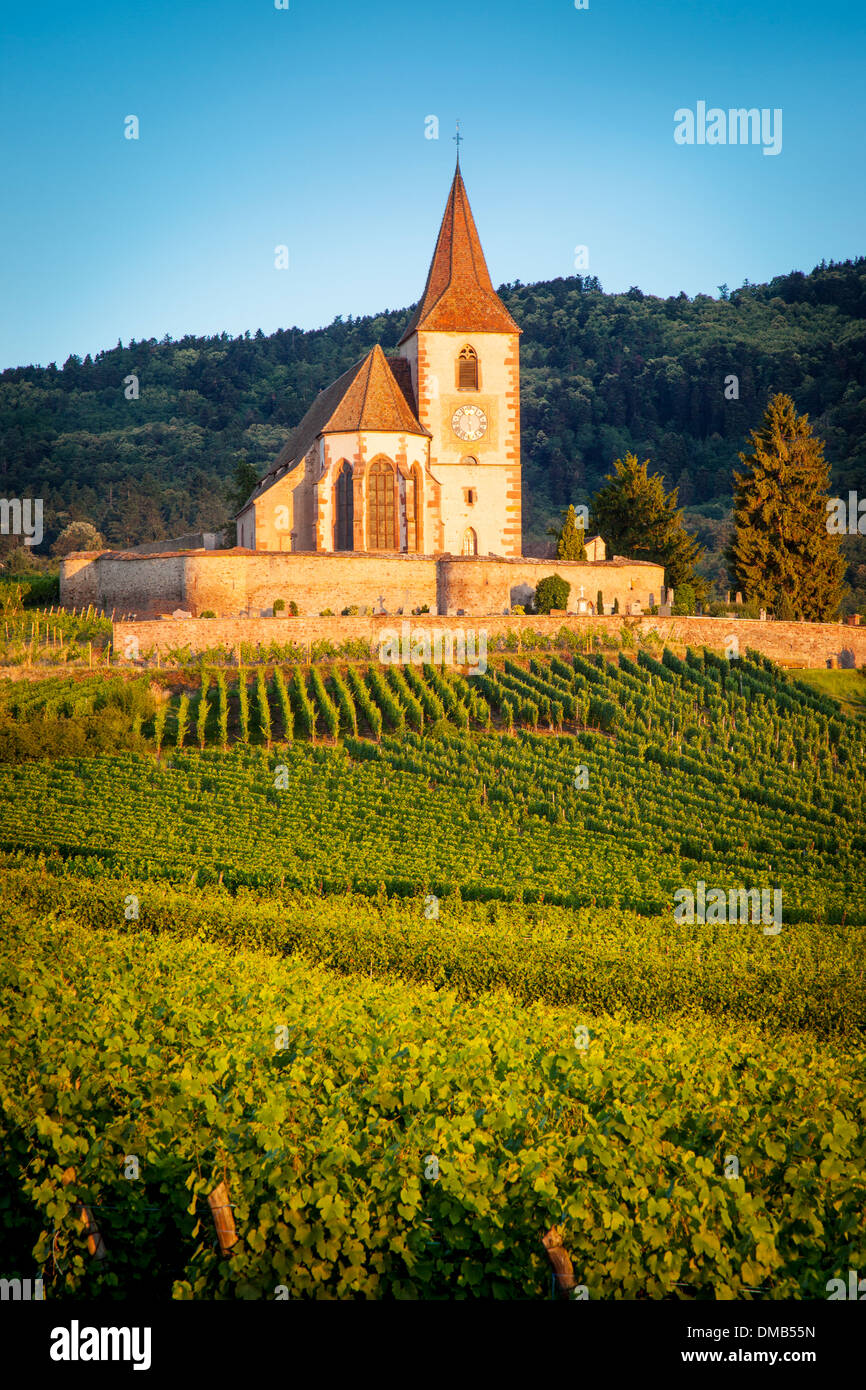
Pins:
x: 470, y: 542
x: 467, y: 369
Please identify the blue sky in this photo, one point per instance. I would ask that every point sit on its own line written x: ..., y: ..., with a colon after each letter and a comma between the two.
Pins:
x: 305, y: 127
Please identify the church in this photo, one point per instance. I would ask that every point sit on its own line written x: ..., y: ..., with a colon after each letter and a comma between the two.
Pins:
x: 418, y: 452
x: 398, y: 492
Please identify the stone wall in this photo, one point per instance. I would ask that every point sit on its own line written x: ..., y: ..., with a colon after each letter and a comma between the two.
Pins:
x: 805, y: 644
x: 234, y: 582
x: 495, y: 586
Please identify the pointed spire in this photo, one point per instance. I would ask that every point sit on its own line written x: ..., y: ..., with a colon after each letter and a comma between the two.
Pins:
x: 459, y: 295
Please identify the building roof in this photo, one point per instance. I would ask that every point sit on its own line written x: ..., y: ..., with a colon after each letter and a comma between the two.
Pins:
x: 375, y: 394
x: 459, y: 294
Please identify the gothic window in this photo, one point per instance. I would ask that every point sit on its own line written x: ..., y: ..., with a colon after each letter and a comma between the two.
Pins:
x: 467, y: 369
x: 381, y: 512
x: 344, y: 509
x: 470, y: 542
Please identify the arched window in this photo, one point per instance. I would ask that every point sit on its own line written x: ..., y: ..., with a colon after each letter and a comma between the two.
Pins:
x: 470, y: 542
x: 381, y: 511
x: 467, y: 369
x: 344, y: 509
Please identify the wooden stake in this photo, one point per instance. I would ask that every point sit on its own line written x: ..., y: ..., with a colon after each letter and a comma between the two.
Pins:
x: 95, y: 1243
x: 559, y: 1258
x: 223, y: 1218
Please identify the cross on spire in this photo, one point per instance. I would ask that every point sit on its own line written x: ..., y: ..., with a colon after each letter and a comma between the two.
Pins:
x: 458, y: 140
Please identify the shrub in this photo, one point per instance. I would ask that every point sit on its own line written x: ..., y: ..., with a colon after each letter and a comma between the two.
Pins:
x: 599, y: 602
x: 551, y: 592
x: 279, y: 606
x: 293, y: 608
x: 684, y: 601
x: 518, y: 608
x: 207, y: 613
x: 351, y: 612
x: 327, y: 613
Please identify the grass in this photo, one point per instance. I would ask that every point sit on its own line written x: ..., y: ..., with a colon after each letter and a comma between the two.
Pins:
x: 848, y: 687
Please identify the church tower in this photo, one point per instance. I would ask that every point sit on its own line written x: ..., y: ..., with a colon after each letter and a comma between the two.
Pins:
x: 462, y: 346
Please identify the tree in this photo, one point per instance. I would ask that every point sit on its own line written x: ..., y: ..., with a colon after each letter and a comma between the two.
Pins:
x: 243, y: 481
x: 569, y: 537
x: 551, y: 592
x: 781, y: 553
x: 639, y: 519
x: 78, y: 535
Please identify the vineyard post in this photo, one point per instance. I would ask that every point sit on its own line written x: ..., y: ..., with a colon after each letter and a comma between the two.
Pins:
x: 90, y: 656
x: 561, y: 1261
x: 95, y: 1243
x: 223, y: 1218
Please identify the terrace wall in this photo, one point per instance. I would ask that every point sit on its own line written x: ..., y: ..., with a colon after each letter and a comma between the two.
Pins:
x: 804, y: 644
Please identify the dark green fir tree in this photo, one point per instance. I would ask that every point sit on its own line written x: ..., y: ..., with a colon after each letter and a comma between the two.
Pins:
x: 570, y: 538
x: 639, y: 519
x: 781, y: 553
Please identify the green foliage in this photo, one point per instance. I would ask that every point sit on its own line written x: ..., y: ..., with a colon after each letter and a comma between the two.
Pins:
x: 285, y: 703
x: 202, y: 710
x: 302, y: 707
x: 182, y: 721
x: 324, y: 1133
x: 638, y: 518
x: 781, y: 553
x: 243, y: 482
x: 551, y: 592
x: 685, y: 601
x: 263, y: 707
x: 569, y: 537
x: 243, y: 708
x: 222, y: 710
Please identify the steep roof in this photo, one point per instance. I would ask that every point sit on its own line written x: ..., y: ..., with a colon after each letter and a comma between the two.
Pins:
x: 375, y: 394
x: 459, y: 294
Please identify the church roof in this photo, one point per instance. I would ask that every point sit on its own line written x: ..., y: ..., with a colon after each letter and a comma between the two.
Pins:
x: 459, y: 294
x: 374, y: 394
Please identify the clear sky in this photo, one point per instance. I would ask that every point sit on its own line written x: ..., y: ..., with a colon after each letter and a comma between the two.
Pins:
x: 305, y: 127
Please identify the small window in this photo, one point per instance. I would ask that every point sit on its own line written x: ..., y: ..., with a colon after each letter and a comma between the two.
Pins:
x: 467, y: 369
x: 468, y: 461
x: 470, y: 496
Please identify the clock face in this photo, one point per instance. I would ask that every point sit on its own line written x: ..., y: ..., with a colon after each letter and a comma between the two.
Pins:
x: 469, y: 422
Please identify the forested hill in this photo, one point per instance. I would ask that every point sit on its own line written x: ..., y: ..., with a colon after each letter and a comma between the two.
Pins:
x: 601, y: 374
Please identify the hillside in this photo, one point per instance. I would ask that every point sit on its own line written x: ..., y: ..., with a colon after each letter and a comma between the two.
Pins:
x: 601, y: 374
x: 414, y: 988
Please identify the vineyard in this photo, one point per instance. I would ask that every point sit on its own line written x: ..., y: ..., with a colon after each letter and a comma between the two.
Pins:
x: 391, y: 952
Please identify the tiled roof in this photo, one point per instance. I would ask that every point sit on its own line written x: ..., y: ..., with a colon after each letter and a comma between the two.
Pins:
x: 459, y: 294
x: 374, y: 394
x: 374, y: 400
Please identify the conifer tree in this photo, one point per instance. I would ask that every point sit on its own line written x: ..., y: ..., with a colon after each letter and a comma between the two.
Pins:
x: 637, y: 518
x: 781, y: 553
x: 570, y: 538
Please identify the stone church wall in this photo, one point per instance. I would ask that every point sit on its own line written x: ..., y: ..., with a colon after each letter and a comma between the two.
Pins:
x: 495, y: 586
x: 232, y: 582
